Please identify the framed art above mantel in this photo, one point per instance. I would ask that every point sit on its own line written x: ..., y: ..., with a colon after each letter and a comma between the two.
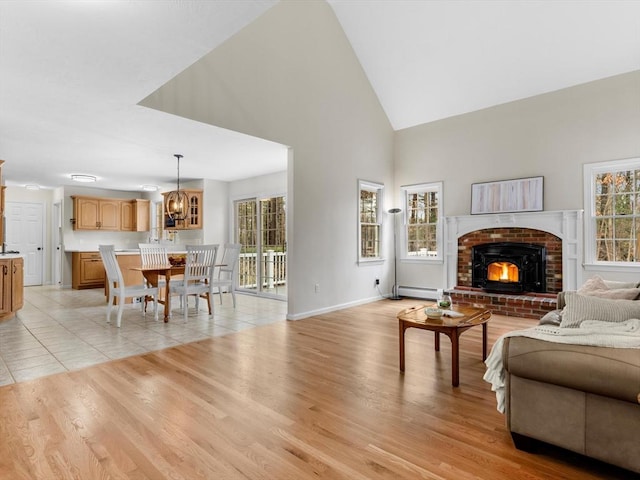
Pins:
x: 507, y: 196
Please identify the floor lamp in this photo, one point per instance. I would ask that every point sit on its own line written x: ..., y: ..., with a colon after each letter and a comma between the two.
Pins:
x: 394, y: 290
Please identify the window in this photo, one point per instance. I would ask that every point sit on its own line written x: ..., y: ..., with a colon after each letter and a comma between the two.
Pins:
x: 369, y: 220
x: 423, y: 221
x: 612, y: 206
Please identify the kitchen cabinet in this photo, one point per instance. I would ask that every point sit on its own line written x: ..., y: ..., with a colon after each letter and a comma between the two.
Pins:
x: 94, y: 213
x: 135, y: 215
x: 11, y: 286
x: 113, y: 214
x: 87, y: 270
x: 196, y: 212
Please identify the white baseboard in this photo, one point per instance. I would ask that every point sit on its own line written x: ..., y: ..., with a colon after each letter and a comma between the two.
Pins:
x: 320, y: 311
x: 414, y: 292
x: 420, y: 292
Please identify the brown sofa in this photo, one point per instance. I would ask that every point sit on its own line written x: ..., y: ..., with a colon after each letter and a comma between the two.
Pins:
x: 582, y: 398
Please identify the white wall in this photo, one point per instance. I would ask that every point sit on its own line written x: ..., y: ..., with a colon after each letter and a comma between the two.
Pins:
x: 551, y: 135
x: 216, y: 212
x: 275, y: 183
x: 292, y: 77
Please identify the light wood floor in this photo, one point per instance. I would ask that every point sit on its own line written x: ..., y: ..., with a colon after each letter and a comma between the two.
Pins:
x: 320, y: 398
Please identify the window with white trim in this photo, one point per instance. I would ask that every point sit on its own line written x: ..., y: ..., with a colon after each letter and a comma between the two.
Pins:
x: 423, y: 221
x: 369, y: 220
x: 612, y: 206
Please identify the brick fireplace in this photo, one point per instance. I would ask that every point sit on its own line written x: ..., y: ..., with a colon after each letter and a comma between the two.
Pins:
x: 559, y: 233
x: 552, y: 244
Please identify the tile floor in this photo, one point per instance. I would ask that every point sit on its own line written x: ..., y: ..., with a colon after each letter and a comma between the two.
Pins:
x: 61, y: 329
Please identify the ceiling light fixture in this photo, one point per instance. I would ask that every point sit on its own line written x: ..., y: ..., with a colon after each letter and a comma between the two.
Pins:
x: 83, y: 178
x: 32, y: 187
x: 177, y: 201
x: 150, y: 188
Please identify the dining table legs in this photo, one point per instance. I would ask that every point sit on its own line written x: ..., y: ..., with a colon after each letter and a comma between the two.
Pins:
x: 152, y: 277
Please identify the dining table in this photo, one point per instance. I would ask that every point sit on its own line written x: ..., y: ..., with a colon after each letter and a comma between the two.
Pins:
x: 152, y: 273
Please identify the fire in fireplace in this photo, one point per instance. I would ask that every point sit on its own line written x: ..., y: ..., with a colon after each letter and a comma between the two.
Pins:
x: 509, y: 267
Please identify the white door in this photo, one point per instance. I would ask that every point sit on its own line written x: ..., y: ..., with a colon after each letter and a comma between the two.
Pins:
x: 24, y: 233
x: 56, y: 244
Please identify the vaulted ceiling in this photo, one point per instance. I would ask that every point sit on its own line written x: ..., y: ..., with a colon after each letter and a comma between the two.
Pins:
x: 72, y: 73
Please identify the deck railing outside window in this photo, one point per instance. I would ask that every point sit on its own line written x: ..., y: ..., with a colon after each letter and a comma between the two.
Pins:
x: 274, y: 270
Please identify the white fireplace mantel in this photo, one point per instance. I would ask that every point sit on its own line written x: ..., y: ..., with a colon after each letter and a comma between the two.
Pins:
x: 565, y: 224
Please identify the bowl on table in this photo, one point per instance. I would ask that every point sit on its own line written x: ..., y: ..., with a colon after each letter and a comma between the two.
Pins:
x: 433, y: 313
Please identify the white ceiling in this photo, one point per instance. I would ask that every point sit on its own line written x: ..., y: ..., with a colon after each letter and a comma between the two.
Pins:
x: 72, y: 72
x: 434, y: 59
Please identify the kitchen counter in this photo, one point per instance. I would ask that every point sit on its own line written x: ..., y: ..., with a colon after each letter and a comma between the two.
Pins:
x: 11, y: 255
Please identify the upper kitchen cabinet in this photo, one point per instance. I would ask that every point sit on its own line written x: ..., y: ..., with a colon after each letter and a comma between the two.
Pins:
x: 96, y: 213
x: 135, y: 215
x: 93, y: 213
x: 196, y: 214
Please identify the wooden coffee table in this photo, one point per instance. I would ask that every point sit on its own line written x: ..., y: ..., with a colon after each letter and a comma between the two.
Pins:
x: 415, y: 317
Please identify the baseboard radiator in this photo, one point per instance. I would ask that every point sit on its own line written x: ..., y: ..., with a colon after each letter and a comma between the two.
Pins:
x: 420, y: 292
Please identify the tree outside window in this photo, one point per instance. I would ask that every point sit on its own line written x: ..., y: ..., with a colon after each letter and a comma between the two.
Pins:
x: 370, y: 226
x: 422, y: 221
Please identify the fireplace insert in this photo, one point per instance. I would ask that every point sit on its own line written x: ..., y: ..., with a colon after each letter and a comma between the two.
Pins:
x: 509, y: 267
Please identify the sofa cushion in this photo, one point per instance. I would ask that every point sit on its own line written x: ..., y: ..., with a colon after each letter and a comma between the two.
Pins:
x: 610, y: 372
x: 598, y: 287
x: 580, y: 308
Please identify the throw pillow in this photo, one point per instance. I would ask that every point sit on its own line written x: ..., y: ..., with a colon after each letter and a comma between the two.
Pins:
x: 616, y: 284
x: 581, y: 307
x: 554, y: 317
x: 597, y: 287
x: 593, y: 284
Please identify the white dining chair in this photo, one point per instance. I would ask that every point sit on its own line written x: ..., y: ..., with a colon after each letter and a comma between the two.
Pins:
x: 153, y: 254
x: 198, y: 276
x: 117, y: 288
x: 226, y: 278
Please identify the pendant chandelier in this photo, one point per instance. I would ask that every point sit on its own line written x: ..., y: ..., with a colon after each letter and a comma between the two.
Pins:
x: 177, y: 201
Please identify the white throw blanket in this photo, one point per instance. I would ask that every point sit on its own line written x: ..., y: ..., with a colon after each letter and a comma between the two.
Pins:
x: 590, y: 332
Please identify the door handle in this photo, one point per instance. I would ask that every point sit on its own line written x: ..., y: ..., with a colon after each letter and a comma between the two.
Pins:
x: 39, y: 248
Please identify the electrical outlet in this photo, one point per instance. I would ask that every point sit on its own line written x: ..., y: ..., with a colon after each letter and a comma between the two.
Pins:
x: 377, y: 281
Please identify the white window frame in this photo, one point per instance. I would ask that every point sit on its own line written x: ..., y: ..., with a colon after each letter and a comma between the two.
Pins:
x: 422, y: 188
x: 590, y: 171
x: 378, y: 188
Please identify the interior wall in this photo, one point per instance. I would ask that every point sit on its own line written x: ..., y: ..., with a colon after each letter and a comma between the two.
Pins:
x: 292, y: 77
x: 215, y: 228
x: 552, y: 135
x: 275, y: 183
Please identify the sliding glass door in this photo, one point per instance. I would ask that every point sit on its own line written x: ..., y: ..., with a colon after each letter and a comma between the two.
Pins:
x: 261, y: 230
